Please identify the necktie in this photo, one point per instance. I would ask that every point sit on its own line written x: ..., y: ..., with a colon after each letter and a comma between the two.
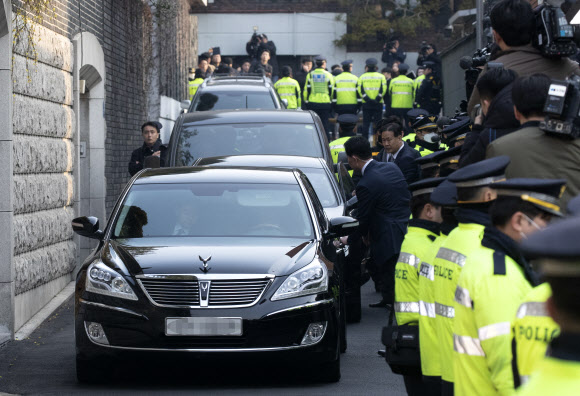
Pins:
x: 391, y: 158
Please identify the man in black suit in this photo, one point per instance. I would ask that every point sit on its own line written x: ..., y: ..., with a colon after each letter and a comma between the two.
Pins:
x: 383, y: 211
x: 398, y: 151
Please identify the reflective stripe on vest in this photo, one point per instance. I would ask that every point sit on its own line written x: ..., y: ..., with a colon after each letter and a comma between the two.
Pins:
x: 337, y: 147
x: 444, y: 310
x: 411, y: 259
x: 427, y: 271
x: 345, y: 89
x: 427, y: 309
x: 407, y: 307
x: 532, y: 309
x: 399, y: 93
x: 467, y: 345
x: 494, y: 330
x: 284, y: 83
x: 451, y: 255
x: 462, y: 297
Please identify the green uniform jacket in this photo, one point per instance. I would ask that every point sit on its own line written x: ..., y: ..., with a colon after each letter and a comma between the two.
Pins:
x: 345, y: 92
x: 289, y: 89
x: 193, y: 86
x: 415, y: 248
x: 319, y: 86
x: 428, y: 340
x: 533, y: 330
x: 402, y: 92
x: 491, y: 286
x: 372, y: 87
x: 448, y: 264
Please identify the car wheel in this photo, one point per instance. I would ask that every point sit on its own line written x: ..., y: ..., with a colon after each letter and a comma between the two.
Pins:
x: 330, y: 372
x: 90, y: 371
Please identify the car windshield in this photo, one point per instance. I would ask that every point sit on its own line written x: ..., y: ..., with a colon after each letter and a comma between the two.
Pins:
x: 213, y: 209
x: 239, y: 139
x: 221, y: 100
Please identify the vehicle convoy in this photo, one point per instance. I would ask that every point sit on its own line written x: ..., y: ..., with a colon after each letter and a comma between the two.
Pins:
x: 333, y: 193
x: 235, y: 92
x: 234, y: 261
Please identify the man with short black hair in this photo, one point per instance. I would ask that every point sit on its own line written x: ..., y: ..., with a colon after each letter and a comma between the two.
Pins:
x: 263, y: 67
x: 399, y: 152
x: 513, y: 24
x: 288, y: 88
x: 497, y: 118
x: 301, y: 74
x: 152, y: 146
x: 383, y: 212
x: 533, y: 152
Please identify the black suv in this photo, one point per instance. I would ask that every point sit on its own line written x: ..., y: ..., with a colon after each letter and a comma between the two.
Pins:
x: 235, y: 92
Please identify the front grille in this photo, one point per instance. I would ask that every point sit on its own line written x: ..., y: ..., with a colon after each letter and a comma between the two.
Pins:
x: 177, y: 292
x: 236, y: 292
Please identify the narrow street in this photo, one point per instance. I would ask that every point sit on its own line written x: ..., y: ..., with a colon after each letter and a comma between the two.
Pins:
x: 45, y: 364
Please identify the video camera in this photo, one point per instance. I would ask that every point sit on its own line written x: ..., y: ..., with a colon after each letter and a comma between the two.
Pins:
x: 562, y: 109
x: 480, y: 58
x: 424, y: 47
x: 554, y: 36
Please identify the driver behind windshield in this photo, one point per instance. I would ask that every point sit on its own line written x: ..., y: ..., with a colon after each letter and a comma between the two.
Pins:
x: 186, y: 219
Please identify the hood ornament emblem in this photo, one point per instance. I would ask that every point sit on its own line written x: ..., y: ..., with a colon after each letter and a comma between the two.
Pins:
x: 205, y: 269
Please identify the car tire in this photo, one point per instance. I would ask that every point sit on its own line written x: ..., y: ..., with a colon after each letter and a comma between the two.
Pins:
x: 89, y: 371
x: 330, y: 372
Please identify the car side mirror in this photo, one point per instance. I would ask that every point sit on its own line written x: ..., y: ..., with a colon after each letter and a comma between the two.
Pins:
x: 87, y: 227
x: 185, y: 104
x: 342, y: 226
x: 285, y: 101
x: 342, y: 158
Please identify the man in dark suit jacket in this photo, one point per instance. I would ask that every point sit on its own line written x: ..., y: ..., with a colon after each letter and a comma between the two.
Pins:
x: 383, y: 211
x: 398, y: 151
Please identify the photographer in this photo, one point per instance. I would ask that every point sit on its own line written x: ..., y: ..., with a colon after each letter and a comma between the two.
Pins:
x: 428, y: 53
x: 497, y: 117
x: 533, y: 152
x: 253, y: 45
x: 513, y: 24
x: 392, y: 52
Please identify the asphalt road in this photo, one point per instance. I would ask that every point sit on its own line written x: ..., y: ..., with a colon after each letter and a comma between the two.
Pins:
x: 45, y: 364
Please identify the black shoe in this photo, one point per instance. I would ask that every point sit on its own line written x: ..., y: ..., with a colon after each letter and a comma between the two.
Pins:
x: 380, y: 304
x: 382, y: 352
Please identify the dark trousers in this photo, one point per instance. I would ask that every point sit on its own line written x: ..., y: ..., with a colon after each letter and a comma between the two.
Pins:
x: 387, y: 276
x: 324, y: 114
x: 370, y: 116
x: 415, y: 385
x: 447, y: 388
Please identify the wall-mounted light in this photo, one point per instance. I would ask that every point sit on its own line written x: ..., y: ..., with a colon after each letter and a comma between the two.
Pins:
x: 82, y: 86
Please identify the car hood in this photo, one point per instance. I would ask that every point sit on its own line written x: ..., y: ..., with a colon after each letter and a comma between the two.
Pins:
x: 274, y: 256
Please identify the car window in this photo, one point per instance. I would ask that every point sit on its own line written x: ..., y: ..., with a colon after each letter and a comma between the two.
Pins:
x: 315, y: 201
x: 346, y: 184
x: 241, y: 139
x: 323, y: 187
x: 221, y: 100
x: 214, y: 209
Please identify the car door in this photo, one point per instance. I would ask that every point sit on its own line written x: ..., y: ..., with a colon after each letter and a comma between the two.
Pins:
x: 345, y: 183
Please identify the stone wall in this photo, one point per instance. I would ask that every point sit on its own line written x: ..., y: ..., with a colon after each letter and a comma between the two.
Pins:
x: 43, y: 164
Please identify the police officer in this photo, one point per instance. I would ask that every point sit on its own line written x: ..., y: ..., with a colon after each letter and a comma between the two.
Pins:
x: 318, y: 91
x: 426, y: 137
x: 429, y: 92
x: 417, y: 82
x: 347, y: 129
x: 402, y: 93
x: 372, y: 88
x: 288, y: 89
x: 195, y: 80
x: 455, y: 133
x: 152, y: 146
x: 346, y: 98
x: 448, y: 160
x: 422, y: 232
x: 494, y: 279
x: 429, y: 166
x: 444, y: 195
x: 473, y: 198
x: 412, y: 116
x: 558, y: 251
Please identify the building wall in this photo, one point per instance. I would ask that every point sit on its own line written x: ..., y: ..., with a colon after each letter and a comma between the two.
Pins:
x: 453, y: 76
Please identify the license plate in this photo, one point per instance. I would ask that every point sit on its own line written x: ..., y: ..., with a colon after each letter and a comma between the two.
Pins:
x: 203, y: 326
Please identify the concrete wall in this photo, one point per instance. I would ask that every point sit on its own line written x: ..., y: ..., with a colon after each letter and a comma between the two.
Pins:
x: 43, y: 182
x: 453, y: 75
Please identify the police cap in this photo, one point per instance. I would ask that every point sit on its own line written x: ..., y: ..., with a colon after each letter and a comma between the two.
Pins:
x: 542, y: 193
x: 320, y: 58
x: 424, y: 122
x: 559, y: 244
x: 414, y: 113
x: 347, y: 62
x: 482, y: 173
x: 428, y: 161
x: 573, y: 207
x: 347, y: 119
x: 371, y: 62
x: 425, y: 186
x: 450, y: 156
x: 403, y: 68
x: 191, y: 70
x: 445, y: 194
x: 457, y: 131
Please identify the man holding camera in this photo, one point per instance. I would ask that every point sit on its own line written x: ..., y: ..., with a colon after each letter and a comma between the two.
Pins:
x: 392, y: 52
x: 513, y: 24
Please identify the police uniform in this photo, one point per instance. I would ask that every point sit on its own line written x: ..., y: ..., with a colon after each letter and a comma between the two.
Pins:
x: 289, y: 89
x: 412, y: 116
x: 448, y: 160
x: 428, y: 92
x: 421, y: 234
x: 416, y: 84
x: 337, y: 146
x: 193, y: 84
x: 454, y: 134
x: 346, y: 98
x: 429, y: 166
x: 559, y: 253
x: 402, y: 93
x: 493, y: 282
x: 318, y: 92
x: 461, y: 242
x: 533, y: 330
x: 372, y: 88
x: 573, y: 206
x: 444, y: 195
x: 422, y: 146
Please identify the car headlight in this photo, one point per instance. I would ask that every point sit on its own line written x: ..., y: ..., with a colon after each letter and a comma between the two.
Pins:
x: 311, y: 279
x: 103, y: 280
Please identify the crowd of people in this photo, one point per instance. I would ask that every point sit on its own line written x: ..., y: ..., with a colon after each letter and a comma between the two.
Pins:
x: 465, y: 218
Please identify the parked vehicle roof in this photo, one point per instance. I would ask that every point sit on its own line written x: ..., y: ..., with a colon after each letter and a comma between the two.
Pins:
x: 242, y: 116
x: 283, y: 161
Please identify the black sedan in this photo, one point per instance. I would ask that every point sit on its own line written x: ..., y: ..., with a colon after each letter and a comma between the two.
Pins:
x: 198, y: 261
